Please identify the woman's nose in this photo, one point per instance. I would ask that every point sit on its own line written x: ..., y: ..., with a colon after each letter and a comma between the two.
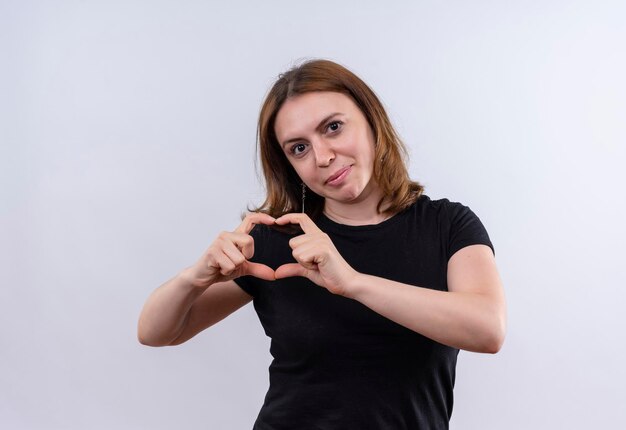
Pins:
x: 324, y: 154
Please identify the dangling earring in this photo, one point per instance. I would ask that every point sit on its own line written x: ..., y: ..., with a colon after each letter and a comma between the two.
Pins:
x: 303, y: 195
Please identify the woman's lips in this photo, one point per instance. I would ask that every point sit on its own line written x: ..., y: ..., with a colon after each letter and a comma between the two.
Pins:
x: 338, y: 177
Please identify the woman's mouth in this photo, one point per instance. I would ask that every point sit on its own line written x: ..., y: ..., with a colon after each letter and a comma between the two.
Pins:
x: 338, y: 177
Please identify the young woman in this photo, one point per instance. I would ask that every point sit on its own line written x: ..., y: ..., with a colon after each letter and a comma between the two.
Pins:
x: 366, y: 287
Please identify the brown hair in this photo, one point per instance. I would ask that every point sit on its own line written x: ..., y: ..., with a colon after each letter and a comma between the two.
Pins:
x: 284, y: 189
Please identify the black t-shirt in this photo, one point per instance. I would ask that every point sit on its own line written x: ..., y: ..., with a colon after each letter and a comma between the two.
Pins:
x: 338, y: 364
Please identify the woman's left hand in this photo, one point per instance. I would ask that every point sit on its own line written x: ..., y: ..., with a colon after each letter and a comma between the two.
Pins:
x: 316, y: 256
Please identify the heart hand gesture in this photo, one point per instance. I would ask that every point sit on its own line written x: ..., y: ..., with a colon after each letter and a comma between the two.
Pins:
x: 316, y: 256
x: 227, y: 257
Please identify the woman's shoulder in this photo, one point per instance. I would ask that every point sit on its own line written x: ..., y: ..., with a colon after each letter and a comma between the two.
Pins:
x: 454, y: 220
x: 425, y: 202
x: 425, y: 199
x: 441, y: 209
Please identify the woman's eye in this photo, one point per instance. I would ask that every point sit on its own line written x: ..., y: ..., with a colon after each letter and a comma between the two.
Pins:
x: 298, y: 149
x: 334, y: 126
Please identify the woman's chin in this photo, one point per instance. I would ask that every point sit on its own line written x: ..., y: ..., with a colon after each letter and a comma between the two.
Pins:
x: 348, y: 196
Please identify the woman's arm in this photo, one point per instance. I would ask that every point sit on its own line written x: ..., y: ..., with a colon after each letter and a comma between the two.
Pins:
x: 204, y: 293
x: 177, y: 311
x: 471, y: 315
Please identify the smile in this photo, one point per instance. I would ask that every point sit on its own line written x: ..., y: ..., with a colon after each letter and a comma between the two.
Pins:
x: 338, y: 177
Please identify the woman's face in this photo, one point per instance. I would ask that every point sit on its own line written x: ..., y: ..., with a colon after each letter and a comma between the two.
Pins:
x: 330, y: 144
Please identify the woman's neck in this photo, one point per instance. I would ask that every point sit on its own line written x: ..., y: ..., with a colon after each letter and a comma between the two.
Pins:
x: 360, y: 220
x: 362, y: 213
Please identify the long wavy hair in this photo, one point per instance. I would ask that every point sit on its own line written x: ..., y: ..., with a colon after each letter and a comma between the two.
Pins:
x: 284, y: 187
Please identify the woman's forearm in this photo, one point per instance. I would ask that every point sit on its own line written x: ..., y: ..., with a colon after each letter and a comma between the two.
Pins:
x: 463, y: 320
x: 164, y: 313
x: 167, y: 310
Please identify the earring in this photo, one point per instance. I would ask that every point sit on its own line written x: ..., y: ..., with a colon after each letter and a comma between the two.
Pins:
x: 303, y: 195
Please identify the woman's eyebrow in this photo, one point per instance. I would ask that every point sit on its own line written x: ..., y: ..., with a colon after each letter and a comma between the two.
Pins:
x: 319, y: 126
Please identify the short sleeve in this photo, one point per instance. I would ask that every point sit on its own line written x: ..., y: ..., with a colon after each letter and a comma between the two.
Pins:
x: 465, y: 229
x: 247, y: 284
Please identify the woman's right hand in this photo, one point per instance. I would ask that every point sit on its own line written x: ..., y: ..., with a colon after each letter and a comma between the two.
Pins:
x: 227, y: 257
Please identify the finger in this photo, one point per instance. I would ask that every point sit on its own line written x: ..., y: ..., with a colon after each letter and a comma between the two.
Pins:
x: 233, y: 253
x: 224, y: 264
x: 243, y: 242
x: 309, y: 254
x: 252, y: 219
x: 289, y: 270
x: 260, y: 271
x: 307, y: 225
x: 304, y: 239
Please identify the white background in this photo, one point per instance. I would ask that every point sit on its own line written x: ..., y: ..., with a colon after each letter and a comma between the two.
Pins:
x: 127, y: 136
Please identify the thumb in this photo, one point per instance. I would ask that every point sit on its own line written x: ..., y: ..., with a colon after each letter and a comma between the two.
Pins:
x: 257, y: 270
x: 290, y: 269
